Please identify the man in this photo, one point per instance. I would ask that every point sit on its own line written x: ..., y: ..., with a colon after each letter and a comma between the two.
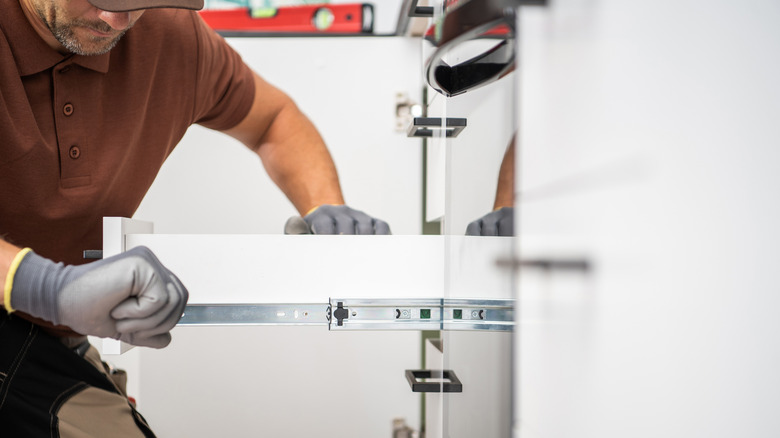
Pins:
x: 94, y: 95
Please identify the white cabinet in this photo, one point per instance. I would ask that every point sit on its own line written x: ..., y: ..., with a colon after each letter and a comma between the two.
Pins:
x: 648, y: 147
x: 307, y: 381
x: 289, y: 381
x: 260, y: 378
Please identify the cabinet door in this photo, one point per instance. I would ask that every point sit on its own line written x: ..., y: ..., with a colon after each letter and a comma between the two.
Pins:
x: 672, y: 331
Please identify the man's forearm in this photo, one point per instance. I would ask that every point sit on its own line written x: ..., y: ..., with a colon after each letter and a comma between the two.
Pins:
x: 297, y: 160
x: 293, y: 152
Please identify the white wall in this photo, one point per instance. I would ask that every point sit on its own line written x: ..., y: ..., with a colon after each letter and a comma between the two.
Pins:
x: 347, y: 86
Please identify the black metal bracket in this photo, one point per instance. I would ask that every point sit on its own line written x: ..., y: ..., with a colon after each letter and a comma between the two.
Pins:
x: 425, y: 127
x: 414, y: 378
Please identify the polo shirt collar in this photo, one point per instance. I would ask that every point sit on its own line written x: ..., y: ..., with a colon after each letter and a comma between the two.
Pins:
x: 99, y: 63
x: 30, y: 51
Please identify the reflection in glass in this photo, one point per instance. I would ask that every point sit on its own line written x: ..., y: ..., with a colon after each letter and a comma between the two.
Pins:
x: 501, y: 221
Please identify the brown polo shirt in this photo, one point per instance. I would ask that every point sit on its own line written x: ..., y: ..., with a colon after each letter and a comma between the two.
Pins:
x: 83, y: 137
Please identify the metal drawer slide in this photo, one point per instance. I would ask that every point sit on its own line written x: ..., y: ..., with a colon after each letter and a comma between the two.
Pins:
x: 363, y: 314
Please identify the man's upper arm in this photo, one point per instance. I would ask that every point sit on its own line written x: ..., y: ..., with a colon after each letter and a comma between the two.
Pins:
x: 225, y: 86
x: 267, y: 104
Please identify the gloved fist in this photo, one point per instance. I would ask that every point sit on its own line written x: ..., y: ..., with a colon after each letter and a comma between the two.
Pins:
x: 131, y: 296
x: 336, y: 219
x: 497, y: 223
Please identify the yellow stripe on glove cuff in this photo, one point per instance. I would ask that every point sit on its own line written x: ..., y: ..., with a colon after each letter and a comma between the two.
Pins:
x: 9, y: 278
x: 315, y: 208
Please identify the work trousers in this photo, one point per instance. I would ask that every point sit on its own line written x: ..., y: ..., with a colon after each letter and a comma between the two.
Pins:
x: 49, y: 391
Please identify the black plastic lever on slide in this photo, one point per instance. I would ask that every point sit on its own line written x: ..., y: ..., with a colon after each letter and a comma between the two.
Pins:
x: 340, y: 313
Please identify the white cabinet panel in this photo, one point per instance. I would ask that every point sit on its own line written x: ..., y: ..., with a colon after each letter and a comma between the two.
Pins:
x: 243, y: 382
x: 299, y: 268
x: 673, y: 322
x: 482, y: 361
x: 671, y: 333
x: 311, y: 269
x: 555, y: 333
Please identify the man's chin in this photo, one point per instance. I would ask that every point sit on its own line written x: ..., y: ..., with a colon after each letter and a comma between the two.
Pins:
x: 91, y: 48
x: 89, y: 43
x: 99, y: 50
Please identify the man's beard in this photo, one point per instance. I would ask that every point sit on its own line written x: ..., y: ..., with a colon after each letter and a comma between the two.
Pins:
x: 64, y: 33
x: 65, y: 36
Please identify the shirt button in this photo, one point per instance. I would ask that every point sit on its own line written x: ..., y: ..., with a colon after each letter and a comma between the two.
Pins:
x: 67, y: 109
x: 74, y: 152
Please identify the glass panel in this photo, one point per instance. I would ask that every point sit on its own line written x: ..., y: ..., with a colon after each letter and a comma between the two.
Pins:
x: 476, y: 172
x: 481, y: 359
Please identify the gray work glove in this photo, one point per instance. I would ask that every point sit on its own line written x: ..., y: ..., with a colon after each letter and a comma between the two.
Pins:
x: 497, y: 223
x: 336, y: 219
x: 131, y: 296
